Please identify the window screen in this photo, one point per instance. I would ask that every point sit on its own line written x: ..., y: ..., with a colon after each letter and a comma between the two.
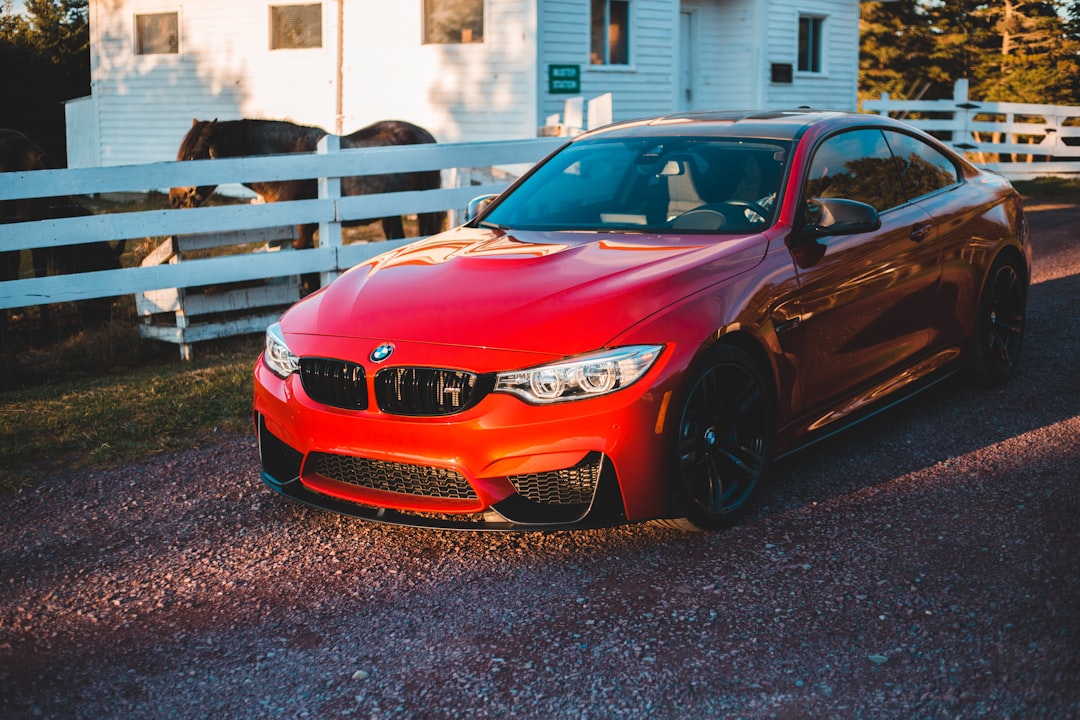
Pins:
x: 157, y: 33
x: 453, y: 21
x: 295, y: 26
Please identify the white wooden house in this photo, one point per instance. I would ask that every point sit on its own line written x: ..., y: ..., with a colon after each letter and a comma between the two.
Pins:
x: 467, y: 70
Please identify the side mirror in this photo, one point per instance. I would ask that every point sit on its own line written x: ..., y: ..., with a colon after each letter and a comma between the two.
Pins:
x: 477, y: 205
x: 839, y: 216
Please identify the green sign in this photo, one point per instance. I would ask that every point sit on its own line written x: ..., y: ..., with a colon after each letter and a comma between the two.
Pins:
x: 564, y: 79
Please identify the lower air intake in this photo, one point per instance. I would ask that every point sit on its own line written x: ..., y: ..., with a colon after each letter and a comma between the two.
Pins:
x: 571, y: 486
x: 419, y: 480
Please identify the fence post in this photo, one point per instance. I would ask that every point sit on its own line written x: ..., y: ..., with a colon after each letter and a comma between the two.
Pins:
x: 963, y: 137
x: 330, y: 232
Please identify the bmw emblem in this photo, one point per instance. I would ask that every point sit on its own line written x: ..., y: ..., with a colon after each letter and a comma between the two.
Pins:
x: 382, y: 352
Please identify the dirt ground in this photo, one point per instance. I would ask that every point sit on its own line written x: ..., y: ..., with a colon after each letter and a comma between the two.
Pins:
x: 924, y: 565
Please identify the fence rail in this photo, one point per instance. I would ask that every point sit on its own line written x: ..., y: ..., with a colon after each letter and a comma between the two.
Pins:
x: 1033, y: 140
x: 464, y: 161
x: 1019, y: 140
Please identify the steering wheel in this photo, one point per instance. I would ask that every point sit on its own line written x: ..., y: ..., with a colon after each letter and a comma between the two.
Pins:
x: 728, y: 213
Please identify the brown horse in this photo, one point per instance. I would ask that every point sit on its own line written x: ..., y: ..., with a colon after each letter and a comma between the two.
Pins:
x: 238, y: 138
x: 19, y: 153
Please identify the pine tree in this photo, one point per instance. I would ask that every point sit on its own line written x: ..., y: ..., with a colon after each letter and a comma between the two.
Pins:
x: 46, y: 59
x: 1009, y: 50
x: 896, y: 49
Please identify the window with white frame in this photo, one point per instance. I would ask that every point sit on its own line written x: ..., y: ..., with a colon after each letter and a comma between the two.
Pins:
x: 610, y: 32
x: 295, y: 26
x: 453, y: 22
x: 811, y: 43
x: 157, y: 34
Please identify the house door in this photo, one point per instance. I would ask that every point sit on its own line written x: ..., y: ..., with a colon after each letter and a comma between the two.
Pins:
x: 685, y: 95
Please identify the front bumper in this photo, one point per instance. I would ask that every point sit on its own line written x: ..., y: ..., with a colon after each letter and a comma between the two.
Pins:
x: 502, y: 464
x: 518, y: 511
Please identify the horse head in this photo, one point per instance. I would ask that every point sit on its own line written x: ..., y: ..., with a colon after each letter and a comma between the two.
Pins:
x: 198, y: 144
x: 18, y: 152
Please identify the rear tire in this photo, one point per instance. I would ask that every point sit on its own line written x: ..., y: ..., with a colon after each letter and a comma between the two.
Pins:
x: 722, y: 443
x: 999, y: 324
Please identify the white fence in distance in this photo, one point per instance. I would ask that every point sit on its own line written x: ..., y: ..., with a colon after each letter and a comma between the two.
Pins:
x: 329, y: 210
x: 1038, y: 140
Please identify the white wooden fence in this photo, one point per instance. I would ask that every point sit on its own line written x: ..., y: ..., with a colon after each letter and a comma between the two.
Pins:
x: 329, y: 210
x: 1041, y: 139
x: 1021, y: 141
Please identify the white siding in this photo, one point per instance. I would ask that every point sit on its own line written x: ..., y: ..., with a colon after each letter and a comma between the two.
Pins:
x: 225, y: 69
x: 564, y: 40
x: 644, y: 87
x: 145, y: 103
x: 497, y: 89
x: 83, y: 145
x: 468, y: 92
x: 727, y: 48
x: 836, y: 88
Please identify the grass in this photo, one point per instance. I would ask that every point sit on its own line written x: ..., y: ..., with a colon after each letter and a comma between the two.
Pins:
x: 1049, y: 189
x: 92, y: 399
x: 83, y: 420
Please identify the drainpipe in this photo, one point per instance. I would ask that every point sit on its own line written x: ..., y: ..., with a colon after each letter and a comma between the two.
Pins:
x: 339, y: 100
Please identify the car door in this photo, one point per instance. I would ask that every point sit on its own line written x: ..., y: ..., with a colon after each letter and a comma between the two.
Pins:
x: 864, y: 299
x: 933, y: 182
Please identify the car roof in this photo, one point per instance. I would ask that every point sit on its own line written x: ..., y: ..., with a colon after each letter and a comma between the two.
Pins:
x: 773, y: 124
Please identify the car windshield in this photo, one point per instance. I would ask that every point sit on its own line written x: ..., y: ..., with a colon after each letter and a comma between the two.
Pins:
x: 654, y: 185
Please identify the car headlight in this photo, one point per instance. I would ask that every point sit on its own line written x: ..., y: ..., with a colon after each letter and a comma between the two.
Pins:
x: 277, y: 355
x: 582, y: 377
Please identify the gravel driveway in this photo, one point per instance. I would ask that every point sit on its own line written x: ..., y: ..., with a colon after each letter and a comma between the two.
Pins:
x: 924, y: 565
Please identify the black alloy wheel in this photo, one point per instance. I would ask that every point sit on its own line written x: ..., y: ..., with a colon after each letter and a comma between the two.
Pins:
x: 999, y: 325
x: 723, y: 441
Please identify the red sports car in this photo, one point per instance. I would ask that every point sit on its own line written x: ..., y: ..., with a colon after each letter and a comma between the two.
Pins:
x: 644, y: 321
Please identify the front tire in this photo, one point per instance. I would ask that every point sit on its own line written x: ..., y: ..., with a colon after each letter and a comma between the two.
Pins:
x: 723, y: 441
x: 999, y: 324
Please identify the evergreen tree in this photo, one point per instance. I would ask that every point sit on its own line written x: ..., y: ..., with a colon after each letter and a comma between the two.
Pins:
x: 1028, y: 54
x: 46, y: 59
x: 1072, y: 24
x: 1009, y: 50
x: 896, y: 52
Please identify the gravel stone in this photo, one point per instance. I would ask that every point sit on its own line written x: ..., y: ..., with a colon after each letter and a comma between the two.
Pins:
x: 924, y: 565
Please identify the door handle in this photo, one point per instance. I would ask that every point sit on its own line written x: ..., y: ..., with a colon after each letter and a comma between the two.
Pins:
x: 921, y: 232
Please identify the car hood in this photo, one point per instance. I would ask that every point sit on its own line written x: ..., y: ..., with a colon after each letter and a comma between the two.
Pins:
x: 546, y: 292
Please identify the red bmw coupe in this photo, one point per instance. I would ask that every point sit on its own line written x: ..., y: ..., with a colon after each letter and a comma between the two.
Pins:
x: 642, y: 323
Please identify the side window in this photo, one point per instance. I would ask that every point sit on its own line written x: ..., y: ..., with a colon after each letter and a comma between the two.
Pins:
x: 856, y: 165
x: 295, y: 26
x: 610, y: 33
x: 157, y: 34
x: 923, y: 169
x: 453, y: 22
